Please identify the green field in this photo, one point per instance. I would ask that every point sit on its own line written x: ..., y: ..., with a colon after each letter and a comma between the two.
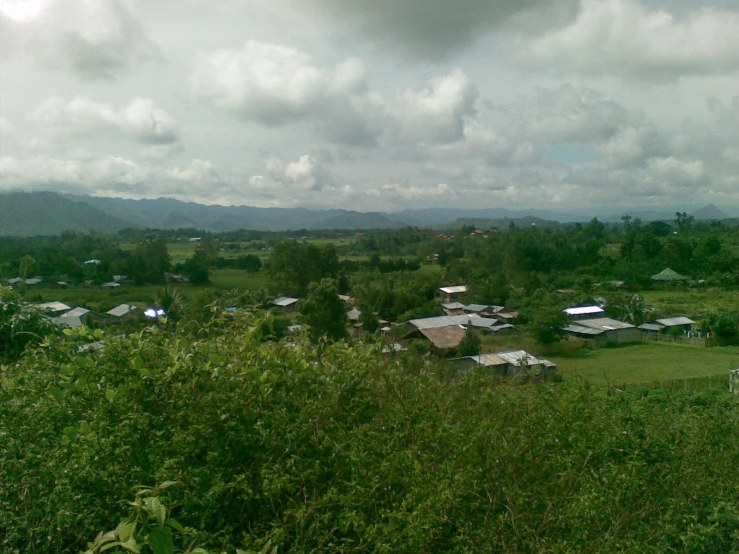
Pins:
x: 645, y: 363
x: 238, y: 279
x: 692, y: 302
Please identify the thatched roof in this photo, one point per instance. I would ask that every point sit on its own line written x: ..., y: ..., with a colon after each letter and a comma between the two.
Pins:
x: 445, y: 337
x: 669, y: 275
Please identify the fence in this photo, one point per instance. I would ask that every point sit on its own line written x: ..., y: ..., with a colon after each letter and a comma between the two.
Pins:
x: 680, y: 339
x: 716, y: 382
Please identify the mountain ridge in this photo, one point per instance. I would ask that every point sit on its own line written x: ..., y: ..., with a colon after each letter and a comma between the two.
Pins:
x: 39, y: 213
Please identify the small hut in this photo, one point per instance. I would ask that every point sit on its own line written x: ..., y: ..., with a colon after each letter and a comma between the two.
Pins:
x: 669, y: 276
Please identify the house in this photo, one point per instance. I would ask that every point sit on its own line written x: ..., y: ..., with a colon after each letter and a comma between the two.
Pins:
x: 119, y: 278
x: 583, y: 312
x: 112, y: 285
x: 122, y: 311
x: 285, y: 302
x: 444, y: 338
x: 482, y: 309
x: 346, y: 298
x: 508, y: 318
x: 451, y: 293
x: 509, y: 364
x: 33, y: 281
x: 69, y: 321
x: 353, y: 314
x: 15, y: 281
x: 94, y: 261
x: 56, y: 308
x: 75, y: 317
x: 604, y: 330
x: 669, y: 323
x: 453, y: 308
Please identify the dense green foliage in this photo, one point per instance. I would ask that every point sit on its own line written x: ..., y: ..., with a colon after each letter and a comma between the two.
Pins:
x: 338, y: 449
x: 21, y: 325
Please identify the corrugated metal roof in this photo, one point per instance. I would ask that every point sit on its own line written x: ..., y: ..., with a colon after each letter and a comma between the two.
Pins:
x: 284, y: 301
x: 580, y: 330
x: 605, y: 323
x: 476, y: 307
x: 485, y: 322
x: 456, y: 289
x: 77, y: 312
x: 453, y: 306
x: 650, y: 327
x: 68, y: 321
x: 443, y: 321
x: 54, y: 306
x: 445, y: 337
x: 674, y: 321
x: 354, y: 314
x: 510, y: 357
x: 584, y: 310
x: 121, y: 310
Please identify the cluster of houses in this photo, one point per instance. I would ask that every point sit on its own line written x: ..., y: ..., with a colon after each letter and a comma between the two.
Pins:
x: 70, y: 317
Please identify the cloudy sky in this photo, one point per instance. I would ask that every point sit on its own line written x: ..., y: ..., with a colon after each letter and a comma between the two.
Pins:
x: 374, y: 104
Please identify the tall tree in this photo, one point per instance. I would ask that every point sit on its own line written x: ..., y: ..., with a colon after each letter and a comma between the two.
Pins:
x: 324, y: 311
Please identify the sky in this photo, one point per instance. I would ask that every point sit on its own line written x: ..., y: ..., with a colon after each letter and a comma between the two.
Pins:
x: 374, y: 104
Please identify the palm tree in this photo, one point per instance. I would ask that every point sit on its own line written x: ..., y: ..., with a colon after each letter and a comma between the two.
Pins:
x: 636, y: 311
x: 170, y: 300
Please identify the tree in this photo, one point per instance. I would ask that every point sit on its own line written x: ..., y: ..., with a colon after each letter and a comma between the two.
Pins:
x: 323, y: 311
x: 635, y: 310
x: 545, y: 318
x: 293, y: 266
x: 723, y: 324
x: 470, y: 345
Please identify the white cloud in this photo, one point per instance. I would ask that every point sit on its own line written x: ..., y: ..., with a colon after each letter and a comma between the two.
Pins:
x: 199, y: 171
x: 625, y: 38
x: 436, y: 113
x: 275, y: 85
x: 304, y: 174
x: 141, y: 121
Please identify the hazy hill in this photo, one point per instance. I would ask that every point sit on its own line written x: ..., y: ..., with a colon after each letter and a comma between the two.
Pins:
x: 709, y: 212
x: 502, y: 223
x: 50, y: 213
x: 47, y: 213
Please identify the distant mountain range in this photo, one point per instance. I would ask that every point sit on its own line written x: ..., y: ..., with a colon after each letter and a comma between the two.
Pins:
x: 48, y: 213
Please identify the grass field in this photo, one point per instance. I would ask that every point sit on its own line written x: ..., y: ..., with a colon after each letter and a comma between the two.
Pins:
x: 645, y: 363
x: 692, y: 302
x: 238, y: 279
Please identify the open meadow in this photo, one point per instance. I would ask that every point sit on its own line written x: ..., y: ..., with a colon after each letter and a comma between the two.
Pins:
x: 645, y: 362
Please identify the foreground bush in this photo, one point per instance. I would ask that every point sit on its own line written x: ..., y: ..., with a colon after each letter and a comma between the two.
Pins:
x: 335, y: 449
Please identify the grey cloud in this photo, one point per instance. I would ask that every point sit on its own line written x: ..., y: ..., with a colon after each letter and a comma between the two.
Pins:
x: 436, y: 29
x: 627, y: 39
x: 109, y: 43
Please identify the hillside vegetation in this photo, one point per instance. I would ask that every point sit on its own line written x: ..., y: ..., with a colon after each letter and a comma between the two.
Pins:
x: 331, y: 448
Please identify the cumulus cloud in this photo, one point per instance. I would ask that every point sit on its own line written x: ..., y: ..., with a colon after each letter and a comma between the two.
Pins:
x: 106, y: 40
x: 114, y: 175
x: 306, y: 173
x: 275, y: 85
x: 436, y: 113
x: 141, y: 121
x: 436, y: 29
x: 625, y: 38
